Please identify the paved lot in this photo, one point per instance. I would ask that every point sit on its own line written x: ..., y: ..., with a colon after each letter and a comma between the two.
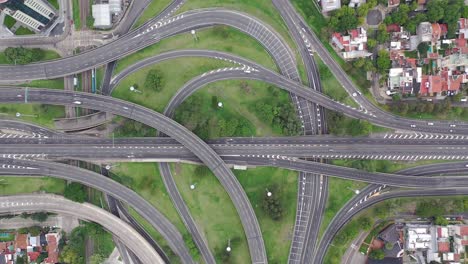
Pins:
x: 374, y: 17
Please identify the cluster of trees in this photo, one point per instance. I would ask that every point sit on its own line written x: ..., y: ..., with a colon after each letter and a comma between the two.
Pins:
x: 154, y: 80
x: 279, y: 115
x: 377, y: 254
x: 339, y: 124
x: 191, y: 246
x: 347, y: 17
x: 383, y: 61
x: 211, y: 122
x: 73, y: 247
x: 22, y: 55
x: 135, y: 129
x: 421, y: 107
x: 33, y: 230
x: 40, y: 216
x: 441, y: 206
x: 444, y: 11
x: 272, y: 204
x: 75, y: 192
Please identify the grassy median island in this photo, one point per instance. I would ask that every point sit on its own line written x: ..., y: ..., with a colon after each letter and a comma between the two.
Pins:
x: 173, y: 74
x: 144, y: 178
x: 10, y: 185
x: 151, y: 11
x: 36, y: 113
x: 220, y: 38
x: 217, y: 218
x: 213, y: 211
x: 283, y: 185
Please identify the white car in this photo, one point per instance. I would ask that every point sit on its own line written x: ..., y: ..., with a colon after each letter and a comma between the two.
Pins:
x: 413, y: 125
x: 354, y: 94
x: 453, y: 125
x: 430, y: 124
x: 77, y: 102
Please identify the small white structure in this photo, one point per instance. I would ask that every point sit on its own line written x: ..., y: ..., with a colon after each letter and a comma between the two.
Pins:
x: 419, y: 237
x: 115, y: 6
x: 329, y: 5
x: 102, y: 16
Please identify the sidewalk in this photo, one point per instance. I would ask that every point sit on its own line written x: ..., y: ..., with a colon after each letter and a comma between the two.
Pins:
x: 352, y: 254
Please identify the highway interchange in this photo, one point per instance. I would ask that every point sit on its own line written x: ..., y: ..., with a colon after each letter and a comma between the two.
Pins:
x: 185, y: 146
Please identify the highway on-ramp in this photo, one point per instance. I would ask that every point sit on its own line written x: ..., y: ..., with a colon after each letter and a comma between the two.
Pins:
x: 168, y: 127
x: 56, y: 204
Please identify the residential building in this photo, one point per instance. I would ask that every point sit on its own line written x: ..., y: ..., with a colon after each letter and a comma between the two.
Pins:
x: 352, y: 46
x: 419, y: 237
x: 404, y: 80
x: 424, y: 32
x: 330, y: 5
x: 33, y: 14
x: 21, y: 242
x: 52, y: 248
x: 463, y: 28
x: 102, y: 16
x: 400, y: 39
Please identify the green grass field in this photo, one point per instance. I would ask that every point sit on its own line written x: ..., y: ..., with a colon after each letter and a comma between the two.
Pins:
x: 54, y: 3
x: 331, y: 86
x: 153, y: 9
x: 46, y: 55
x: 52, y: 84
x: 24, y: 31
x: 276, y: 234
x: 16, y: 185
x: 213, y: 212
x: 40, y: 114
x: 184, y: 68
x: 144, y: 178
x: 339, y: 193
x: 9, y: 21
x: 76, y: 14
x: 217, y: 38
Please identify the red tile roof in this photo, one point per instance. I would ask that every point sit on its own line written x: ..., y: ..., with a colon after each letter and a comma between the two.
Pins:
x: 393, y: 28
x: 444, y: 247
x: 354, y: 33
x: 435, y: 84
x: 422, y: 2
x: 424, y: 85
x: 460, y: 43
x: 464, y: 230
x: 52, y: 249
x: 33, y: 255
x: 393, y: 2
x: 21, y: 241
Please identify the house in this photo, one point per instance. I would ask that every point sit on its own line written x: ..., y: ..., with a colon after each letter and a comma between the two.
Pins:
x: 52, y: 248
x: 438, y: 30
x: 21, y: 242
x: 463, y: 28
x: 404, y: 79
x: 400, y: 39
x: 353, y: 45
x: 330, y: 5
x: 424, y: 32
x: 418, y: 237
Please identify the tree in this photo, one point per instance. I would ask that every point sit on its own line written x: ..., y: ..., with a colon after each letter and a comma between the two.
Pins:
x: 383, y: 61
x: 41, y: 216
x: 75, y: 192
x: 343, y: 19
x: 22, y: 55
x: 359, y: 63
x: 382, y: 34
x: 97, y: 259
x: 35, y: 230
x: 371, y: 43
x: 23, y: 230
x: 423, y: 48
x: 272, y: 204
x: 439, y: 220
x: 377, y: 254
x: 154, y: 80
x: 435, y: 10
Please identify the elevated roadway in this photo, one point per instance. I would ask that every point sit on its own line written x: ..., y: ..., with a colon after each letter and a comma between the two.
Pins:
x: 169, y: 127
x: 56, y: 204
x: 106, y: 185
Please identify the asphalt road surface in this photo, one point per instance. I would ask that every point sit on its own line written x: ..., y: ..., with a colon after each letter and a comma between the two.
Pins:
x: 56, y: 204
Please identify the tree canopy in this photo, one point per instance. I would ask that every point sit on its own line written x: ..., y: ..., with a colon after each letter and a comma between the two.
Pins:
x: 343, y: 19
x: 75, y: 192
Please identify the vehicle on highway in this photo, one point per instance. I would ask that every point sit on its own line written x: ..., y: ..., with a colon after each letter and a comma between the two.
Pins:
x: 430, y: 124
x: 77, y: 102
x: 354, y: 94
x: 413, y: 125
x: 453, y: 125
